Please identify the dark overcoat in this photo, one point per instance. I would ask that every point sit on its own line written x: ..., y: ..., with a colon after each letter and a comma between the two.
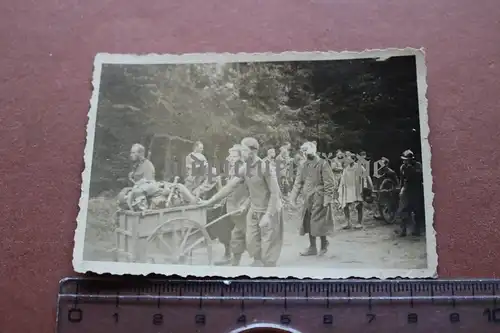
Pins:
x: 316, y: 183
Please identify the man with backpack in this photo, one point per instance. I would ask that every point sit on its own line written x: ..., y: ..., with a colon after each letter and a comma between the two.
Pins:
x: 264, y: 219
x: 411, y: 197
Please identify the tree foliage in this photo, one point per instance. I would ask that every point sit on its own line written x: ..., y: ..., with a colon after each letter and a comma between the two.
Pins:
x: 350, y: 104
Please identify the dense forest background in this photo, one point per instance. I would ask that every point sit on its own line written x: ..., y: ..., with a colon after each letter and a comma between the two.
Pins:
x: 349, y: 104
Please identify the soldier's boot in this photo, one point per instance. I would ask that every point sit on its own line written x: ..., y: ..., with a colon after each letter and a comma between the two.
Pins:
x: 358, y: 226
x: 417, y: 229
x: 419, y: 219
x: 311, y: 250
x: 226, y: 259
x: 347, y: 215
x: 235, y: 260
x: 324, y: 246
x: 402, y: 232
x: 347, y: 226
x: 359, y: 222
x: 270, y: 264
x: 257, y: 263
x: 222, y: 262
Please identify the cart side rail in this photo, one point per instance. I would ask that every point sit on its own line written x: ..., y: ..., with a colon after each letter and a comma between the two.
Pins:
x: 161, y: 211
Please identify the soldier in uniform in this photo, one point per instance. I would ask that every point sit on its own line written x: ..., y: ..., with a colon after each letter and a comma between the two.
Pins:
x: 196, y: 167
x: 316, y: 182
x: 350, y: 191
x: 284, y: 169
x: 385, y: 173
x: 220, y: 230
x: 142, y: 168
x: 338, y: 166
x: 299, y: 161
x: 411, y: 196
x: 264, y: 223
x: 237, y: 203
x: 363, y: 161
x: 271, y: 155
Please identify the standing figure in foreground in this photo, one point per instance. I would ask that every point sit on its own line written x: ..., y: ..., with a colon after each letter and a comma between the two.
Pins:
x: 237, y: 203
x: 316, y: 182
x: 387, y: 183
x: 142, y: 168
x: 350, y: 191
x: 411, y: 195
x: 196, y: 167
x: 367, y: 179
x: 264, y: 232
x: 220, y: 230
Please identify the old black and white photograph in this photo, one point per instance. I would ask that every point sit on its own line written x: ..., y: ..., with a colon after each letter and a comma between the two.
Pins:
x: 294, y: 164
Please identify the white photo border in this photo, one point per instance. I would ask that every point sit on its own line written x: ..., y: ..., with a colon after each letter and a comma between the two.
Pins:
x: 119, y: 268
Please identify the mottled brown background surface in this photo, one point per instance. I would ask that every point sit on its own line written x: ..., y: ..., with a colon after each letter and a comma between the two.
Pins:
x: 47, y: 49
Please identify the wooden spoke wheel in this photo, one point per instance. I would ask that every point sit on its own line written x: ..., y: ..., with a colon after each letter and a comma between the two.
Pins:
x: 388, y: 201
x: 179, y: 241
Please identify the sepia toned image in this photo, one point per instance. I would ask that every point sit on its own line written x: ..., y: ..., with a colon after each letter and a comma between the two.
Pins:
x: 302, y: 164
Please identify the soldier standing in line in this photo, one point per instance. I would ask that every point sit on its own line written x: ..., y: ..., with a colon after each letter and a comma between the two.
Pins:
x: 387, y: 176
x: 386, y: 172
x: 196, y: 167
x: 350, y: 190
x: 237, y: 203
x: 338, y: 166
x: 316, y: 182
x: 284, y: 170
x: 411, y: 195
x: 264, y: 220
x: 368, y: 187
x: 271, y: 156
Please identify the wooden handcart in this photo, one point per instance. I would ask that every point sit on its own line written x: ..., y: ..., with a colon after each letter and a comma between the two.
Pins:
x: 176, y: 235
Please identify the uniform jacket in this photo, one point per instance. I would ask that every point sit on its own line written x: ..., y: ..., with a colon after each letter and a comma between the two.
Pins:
x: 196, y: 170
x: 316, y: 183
x: 143, y: 170
x: 315, y: 179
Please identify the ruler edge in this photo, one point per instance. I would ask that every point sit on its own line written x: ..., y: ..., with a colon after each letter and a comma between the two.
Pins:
x: 494, y: 283
x: 150, y: 281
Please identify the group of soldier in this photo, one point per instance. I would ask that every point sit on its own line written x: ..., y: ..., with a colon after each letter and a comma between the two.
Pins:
x: 254, y: 192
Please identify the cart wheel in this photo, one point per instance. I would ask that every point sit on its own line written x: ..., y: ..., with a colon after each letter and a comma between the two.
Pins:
x: 180, y: 241
x: 388, y: 201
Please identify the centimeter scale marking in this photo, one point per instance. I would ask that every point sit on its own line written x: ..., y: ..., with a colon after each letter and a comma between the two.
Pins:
x: 130, y: 304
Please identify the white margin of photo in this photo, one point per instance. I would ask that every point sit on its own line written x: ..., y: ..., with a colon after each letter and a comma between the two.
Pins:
x: 120, y: 268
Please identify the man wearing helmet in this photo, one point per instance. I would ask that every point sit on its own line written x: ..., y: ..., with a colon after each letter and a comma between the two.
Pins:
x: 411, y: 195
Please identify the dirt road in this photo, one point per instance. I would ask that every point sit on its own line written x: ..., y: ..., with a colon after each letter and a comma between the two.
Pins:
x: 375, y: 246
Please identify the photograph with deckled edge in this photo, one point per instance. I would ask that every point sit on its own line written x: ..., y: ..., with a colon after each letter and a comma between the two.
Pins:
x: 303, y: 164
